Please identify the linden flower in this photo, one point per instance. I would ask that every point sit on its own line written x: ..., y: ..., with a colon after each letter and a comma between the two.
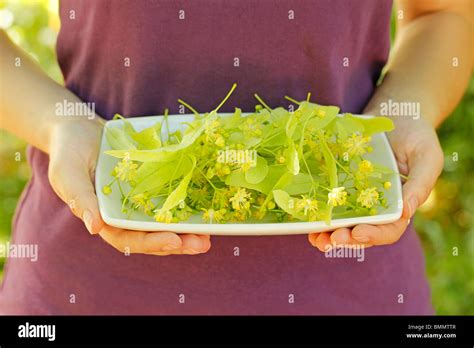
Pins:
x: 198, y: 196
x: 142, y: 200
x: 126, y: 170
x: 222, y: 169
x: 220, y: 141
x: 107, y: 190
x: 211, y: 127
x: 243, y: 166
x: 337, y: 196
x: 163, y: 216
x: 307, y: 205
x: 211, y: 215
x: 368, y: 197
x: 357, y: 144
x: 240, y: 200
x: 366, y: 167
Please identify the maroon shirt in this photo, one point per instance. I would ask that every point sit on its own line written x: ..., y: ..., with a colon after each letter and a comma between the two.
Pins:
x: 335, y: 49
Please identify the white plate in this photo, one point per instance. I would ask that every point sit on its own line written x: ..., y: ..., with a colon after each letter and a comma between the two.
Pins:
x: 110, y: 205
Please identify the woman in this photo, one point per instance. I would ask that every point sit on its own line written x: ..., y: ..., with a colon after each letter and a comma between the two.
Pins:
x: 136, y: 58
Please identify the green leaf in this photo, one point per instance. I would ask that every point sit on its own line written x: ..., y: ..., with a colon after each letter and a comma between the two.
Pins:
x: 153, y: 176
x: 291, y: 155
x: 127, y: 125
x: 257, y: 173
x: 118, y: 139
x: 180, y: 192
x: 165, y: 153
x: 148, y: 138
x: 300, y: 184
x: 376, y: 125
x: 288, y: 204
x: 345, y: 125
x: 318, y: 122
x: 274, y: 174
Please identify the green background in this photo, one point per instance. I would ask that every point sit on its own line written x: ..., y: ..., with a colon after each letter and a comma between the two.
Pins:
x: 444, y: 222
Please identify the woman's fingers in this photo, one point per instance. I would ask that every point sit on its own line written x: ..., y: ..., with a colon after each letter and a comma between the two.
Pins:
x: 320, y: 240
x: 380, y: 234
x: 155, y: 243
x: 127, y: 241
x: 341, y: 237
x: 73, y: 184
x: 425, y: 166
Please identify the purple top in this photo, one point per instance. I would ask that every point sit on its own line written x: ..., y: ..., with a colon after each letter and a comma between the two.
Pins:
x: 335, y: 49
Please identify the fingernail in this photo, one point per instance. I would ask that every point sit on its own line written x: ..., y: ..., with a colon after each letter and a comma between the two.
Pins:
x: 170, y: 247
x: 361, y: 238
x: 87, y: 218
x: 412, y: 204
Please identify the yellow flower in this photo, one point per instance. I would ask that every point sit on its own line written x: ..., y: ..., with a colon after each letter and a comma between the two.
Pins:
x: 211, y: 215
x: 220, y: 141
x: 240, y: 200
x: 126, y: 170
x: 368, y: 197
x: 222, y: 169
x: 142, y: 200
x: 337, y: 196
x: 387, y: 185
x: 107, y: 190
x: 366, y: 167
x: 244, y: 166
x: 307, y: 205
x: 163, y: 216
x: 357, y: 144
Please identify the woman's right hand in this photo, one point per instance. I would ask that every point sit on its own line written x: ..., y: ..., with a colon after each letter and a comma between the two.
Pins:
x: 73, y: 151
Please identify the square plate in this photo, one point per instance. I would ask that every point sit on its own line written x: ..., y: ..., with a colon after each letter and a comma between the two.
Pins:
x: 110, y: 205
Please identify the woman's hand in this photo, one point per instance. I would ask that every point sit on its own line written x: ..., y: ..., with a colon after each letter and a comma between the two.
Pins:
x: 73, y: 148
x: 420, y: 157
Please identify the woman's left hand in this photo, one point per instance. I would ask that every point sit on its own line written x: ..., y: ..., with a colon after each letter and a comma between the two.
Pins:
x: 419, y: 156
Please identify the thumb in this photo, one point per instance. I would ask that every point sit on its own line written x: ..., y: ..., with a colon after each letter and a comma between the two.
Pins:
x: 73, y: 184
x: 425, y: 166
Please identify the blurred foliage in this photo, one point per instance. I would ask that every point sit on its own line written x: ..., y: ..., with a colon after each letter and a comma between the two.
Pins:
x: 445, y: 222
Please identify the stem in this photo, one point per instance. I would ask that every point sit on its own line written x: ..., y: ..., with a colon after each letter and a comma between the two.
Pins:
x: 209, y: 181
x: 342, y: 167
x: 403, y: 176
x: 193, y: 110
x: 262, y: 102
x: 167, y: 123
x: 292, y: 100
x: 234, y: 86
